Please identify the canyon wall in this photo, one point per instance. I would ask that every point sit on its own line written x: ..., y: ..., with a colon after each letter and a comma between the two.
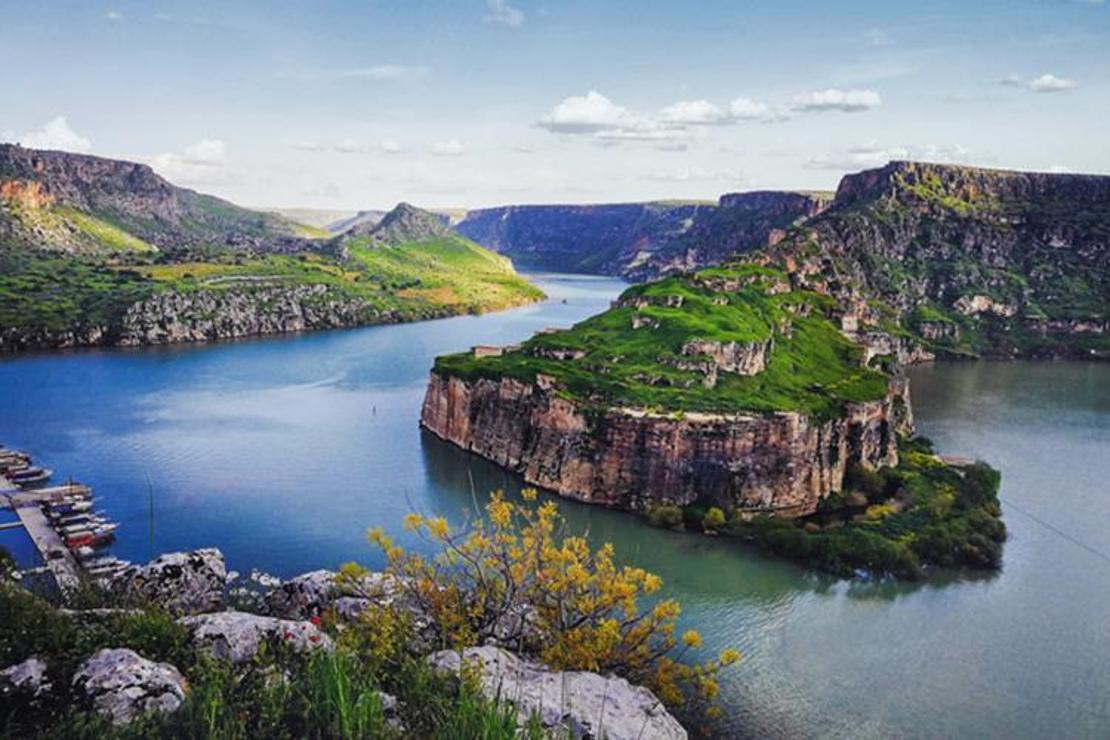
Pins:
x: 630, y: 459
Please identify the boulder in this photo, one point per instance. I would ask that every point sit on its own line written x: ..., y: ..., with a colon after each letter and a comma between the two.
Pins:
x: 238, y: 636
x: 123, y: 685
x: 575, y: 703
x: 180, y: 582
x: 305, y: 596
x: 311, y: 594
x: 28, y: 677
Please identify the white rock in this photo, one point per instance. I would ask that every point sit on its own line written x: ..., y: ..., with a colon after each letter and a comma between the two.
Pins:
x: 238, y: 636
x: 180, y: 582
x: 30, y: 676
x: 124, y: 685
x: 583, y: 704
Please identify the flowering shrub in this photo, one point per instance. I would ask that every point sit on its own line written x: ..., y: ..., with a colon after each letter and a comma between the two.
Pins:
x: 517, y: 579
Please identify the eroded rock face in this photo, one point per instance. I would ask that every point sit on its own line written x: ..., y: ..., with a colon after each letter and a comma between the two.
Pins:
x: 123, y: 685
x: 304, y: 596
x: 180, y: 582
x: 28, y: 676
x: 583, y: 704
x: 238, y: 636
x: 783, y: 462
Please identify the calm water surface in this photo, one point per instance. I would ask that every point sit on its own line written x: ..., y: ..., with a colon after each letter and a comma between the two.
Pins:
x: 281, y: 452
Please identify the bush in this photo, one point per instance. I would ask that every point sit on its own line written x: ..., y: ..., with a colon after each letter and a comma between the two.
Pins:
x: 665, y: 516
x: 515, y: 577
x: 713, y: 520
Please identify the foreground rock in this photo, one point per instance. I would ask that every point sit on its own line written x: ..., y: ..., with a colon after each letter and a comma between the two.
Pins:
x: 583, y: 704
x: 238, y: 636
x: 28, y: 676
x: 180, y: 582
x: 317, y: 592
x: 123, y: 685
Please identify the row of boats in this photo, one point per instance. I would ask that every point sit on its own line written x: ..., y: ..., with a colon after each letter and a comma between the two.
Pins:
x: 16, y: 467
x: 83, y: 530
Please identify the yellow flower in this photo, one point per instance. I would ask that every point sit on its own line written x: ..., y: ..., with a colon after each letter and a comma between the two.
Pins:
x: 729, y: 656
x: 691, y: 638
x: 413, y: 521
x: 437, y: 527
x: 529, y: 494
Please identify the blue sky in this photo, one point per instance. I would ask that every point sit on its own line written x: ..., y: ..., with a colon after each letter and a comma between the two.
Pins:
x: 361, y: 103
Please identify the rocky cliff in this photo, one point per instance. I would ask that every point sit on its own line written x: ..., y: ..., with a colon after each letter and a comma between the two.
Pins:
x: 637, y: 240
x: 724, y: 387
x: 973, y: 261
x: 784, y: 462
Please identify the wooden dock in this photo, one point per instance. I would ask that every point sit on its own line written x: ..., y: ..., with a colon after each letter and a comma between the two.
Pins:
x: 28, y: 507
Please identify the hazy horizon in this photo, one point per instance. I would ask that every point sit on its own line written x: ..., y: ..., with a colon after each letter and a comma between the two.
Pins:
x: 348, y: 105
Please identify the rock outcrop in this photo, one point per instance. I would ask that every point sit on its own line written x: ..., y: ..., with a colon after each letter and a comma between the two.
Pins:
x: 122, y: 685
x: 28, y: 677
x: 238, y: 636
x: 578, y: 704
x: 628, y: 458
x: 180, y: 582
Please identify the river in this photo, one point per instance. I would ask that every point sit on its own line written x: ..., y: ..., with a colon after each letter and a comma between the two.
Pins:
x: 281, y: 452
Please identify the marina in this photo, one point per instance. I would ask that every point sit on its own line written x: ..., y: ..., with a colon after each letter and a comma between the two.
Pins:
x: 57, y: 521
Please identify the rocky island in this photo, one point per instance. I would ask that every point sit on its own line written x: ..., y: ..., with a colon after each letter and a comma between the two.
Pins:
x: 773, y: 384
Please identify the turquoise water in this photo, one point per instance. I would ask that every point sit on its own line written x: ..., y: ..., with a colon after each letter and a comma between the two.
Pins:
x: 281, y: 452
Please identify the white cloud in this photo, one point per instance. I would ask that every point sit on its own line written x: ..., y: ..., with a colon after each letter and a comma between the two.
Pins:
x: 347, y: 146
x: 694, y: 113
x: 501, y: 12
x: 1059, y: 169
x: 744, y: 109
x: 56, y: 134
x: 112, y: 15
x: 308, y: 145
x: 390, y: 146
x: 1012, y: 80
x: 202, y: 163
x: 375, y: 73
x: 879, y: 37
x: 697, y: 174
x: 7, y: 135
x: 589, y: 113
x: 866, y: 156
x: 847, y: 101
x: 448, y: 148
x: 1047, y: 83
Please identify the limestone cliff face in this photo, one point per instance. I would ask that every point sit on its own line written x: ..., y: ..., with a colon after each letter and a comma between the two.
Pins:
x: 626, y: 458
x: 211, y: 315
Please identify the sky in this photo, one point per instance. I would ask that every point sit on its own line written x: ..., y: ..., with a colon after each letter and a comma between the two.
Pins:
x: 353, y: 104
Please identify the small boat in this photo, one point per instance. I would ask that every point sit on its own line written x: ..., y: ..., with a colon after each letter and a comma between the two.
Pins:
x: 30, y: 476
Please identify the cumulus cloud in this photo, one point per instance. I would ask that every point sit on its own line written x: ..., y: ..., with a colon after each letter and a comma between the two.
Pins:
x: 202, y: 163
x: 588, y: 113
x: 390, y: 146
x: 501, y: 12
x: 1047, y: 83
x: 693, y: 113
x: 448, y: 148
x: 870, y: 155
x: 832, y: 99
x: 56, y: 134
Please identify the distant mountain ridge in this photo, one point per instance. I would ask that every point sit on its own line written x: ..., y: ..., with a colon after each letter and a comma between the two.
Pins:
x: 638, y: 240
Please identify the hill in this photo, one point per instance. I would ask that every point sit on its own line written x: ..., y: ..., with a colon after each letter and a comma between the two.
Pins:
x: 98, y: 251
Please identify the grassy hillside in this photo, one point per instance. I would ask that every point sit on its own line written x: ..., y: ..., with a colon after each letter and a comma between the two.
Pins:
x: 637, y: 355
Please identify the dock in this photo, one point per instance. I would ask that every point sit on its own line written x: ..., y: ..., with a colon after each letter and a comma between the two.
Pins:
x: 27, y: 505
